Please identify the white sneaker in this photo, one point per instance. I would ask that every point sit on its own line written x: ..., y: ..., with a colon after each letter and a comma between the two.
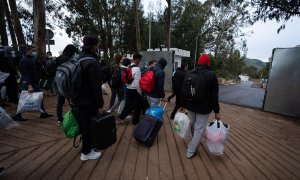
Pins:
x: 92, y: 155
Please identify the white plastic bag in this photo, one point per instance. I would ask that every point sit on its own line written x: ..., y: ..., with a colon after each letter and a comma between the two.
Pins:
x: 3, y: 76
x: 181, y: 124
x: 30, y: 101
x: 5, y: 120
x: 121, y: 106
x: 216, y: 136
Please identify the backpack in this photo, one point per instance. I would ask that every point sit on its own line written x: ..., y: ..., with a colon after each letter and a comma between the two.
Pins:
x: 127, y: 77
x: 116, y: 78
x: 194, y: 88
x: 69, y: 77
x: 51, y: 66
x: 147, y: 82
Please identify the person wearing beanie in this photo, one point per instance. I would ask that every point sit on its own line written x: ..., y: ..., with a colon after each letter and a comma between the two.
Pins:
x: 89, y: 100
x: 199, y: 110
x: 68, y: 53
x: 158, y: 92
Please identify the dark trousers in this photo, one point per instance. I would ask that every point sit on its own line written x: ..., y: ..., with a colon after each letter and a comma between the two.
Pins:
x: 83, y: 116
x: 133, y: 101
x: 177, y: 106
x: 59, y: 107
x: 113, y: 96
x: 12, y: 88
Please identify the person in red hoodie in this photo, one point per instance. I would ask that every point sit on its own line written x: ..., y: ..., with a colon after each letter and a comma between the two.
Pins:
x: 198, y: 111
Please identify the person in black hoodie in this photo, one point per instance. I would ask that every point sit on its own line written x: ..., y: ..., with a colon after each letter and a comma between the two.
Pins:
x: 198, y: 112
x: 67, y: 54
x: 89, y: 100
x: 177, y: 81
x: 158, y: 93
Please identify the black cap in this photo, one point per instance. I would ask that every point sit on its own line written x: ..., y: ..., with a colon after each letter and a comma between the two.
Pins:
x: 89, y: 41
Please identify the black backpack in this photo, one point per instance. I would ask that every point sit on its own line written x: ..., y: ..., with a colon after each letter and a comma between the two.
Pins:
x: 116, y: 78
x: 194, y: 88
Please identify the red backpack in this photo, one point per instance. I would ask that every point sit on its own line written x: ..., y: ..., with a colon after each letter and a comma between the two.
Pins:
x: 147, y: 82
x: 127, y: 77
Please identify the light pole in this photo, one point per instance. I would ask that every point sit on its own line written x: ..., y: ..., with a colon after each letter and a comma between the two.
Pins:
x: 196, y: 50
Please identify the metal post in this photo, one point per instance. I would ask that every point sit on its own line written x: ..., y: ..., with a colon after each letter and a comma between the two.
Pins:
x: 150, y: 31
x: 48, y: 40
x: 196, y: 51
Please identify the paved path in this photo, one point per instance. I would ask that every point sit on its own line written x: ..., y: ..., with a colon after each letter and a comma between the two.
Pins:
x: 242, y: 94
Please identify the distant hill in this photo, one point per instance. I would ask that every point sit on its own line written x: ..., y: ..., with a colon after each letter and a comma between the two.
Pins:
x: 255, y: 63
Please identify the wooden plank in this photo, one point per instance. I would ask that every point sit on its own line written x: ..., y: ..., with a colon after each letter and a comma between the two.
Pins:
x: 104, y: 163
x: 16, y: 171
x: 16, y: 142
x: 115, y: 168
x: 130, y: 161
x: 16, y: 157
x: 58, y: 153
x: 41, y: 131
x: 153, y: 167
x: 176, y: 164
x: 141, y: 163
x: 163, y: 156
x: 37, y: 138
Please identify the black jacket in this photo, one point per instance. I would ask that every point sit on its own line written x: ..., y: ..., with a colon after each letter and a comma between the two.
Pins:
x: 91, y: 93
x: 177, y: 80
x: 159, y: 74
x: 30, y: 70
x: 212, y: 86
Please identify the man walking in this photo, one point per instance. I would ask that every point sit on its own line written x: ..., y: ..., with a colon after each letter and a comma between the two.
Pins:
x: 89, y: 100
x: 30, y: 69
x: 158, y: 92
x: 133, y: 93
x: 199, y: 107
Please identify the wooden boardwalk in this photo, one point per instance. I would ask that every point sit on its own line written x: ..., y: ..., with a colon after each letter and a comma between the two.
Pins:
x: 260, y: 146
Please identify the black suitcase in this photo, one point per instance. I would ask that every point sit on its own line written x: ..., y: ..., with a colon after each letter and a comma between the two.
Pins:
x: 104, y: 132
x: 147, y: 130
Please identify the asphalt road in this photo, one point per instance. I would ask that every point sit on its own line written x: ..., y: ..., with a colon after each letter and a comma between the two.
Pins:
x: 242, y: 94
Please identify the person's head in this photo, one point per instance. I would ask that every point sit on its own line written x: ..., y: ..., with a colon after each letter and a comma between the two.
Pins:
x: 184, y: 66
x: 90, y: 44
x: 7, y: 52
x: 204, y: 60
x: 137, y: 59
x: 162, y: 62
x: 49, y: 54
x: 70, y: 50
x: 152, y: 63
x: 31, y: 51
x: 126, y: 62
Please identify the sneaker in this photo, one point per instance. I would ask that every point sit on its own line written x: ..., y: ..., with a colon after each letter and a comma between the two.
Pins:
x: 18, y: 117
x: 1, y: 170
x: 92, y: 155
x: 45, y: 115
x: 190, y: 155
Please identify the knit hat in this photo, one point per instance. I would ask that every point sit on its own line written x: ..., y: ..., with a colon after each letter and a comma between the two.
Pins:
x: 89, y: 41
x: 163, y: 62
x: 204, y: 60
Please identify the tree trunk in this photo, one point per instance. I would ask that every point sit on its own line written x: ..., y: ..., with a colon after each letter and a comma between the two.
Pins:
x: 137, y: 25
x: 10, y: 25
x: 3, y: 33
x: 169, y: 25
x: 17, y: 24
x: 39, y: 23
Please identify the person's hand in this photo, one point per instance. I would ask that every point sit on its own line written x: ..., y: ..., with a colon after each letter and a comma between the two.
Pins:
x: 30, y: 89
x: 164, y: 100
x: 181, y: 109
x: 217, y: 116
x: 100, y: 111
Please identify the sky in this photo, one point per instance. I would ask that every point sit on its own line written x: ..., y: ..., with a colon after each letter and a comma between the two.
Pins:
x: 260, y: 43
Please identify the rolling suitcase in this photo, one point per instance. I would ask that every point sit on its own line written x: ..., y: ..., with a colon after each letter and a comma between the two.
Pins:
x: 104, y: 132
x: 149, y: 125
